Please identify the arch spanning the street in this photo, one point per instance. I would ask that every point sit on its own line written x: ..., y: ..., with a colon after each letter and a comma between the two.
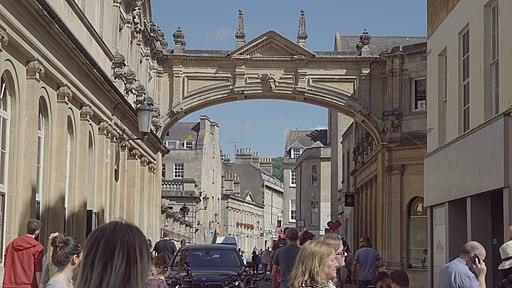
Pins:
x: 270, y: 67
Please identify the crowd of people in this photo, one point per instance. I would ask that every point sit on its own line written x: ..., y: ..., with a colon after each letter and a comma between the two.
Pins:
x: 116, y: 254
x: 302, y: 260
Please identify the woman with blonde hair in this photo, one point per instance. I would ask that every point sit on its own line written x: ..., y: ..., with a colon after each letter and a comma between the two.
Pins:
x: 315, y: 266
x: 116, y: 255
x: 337, y: 243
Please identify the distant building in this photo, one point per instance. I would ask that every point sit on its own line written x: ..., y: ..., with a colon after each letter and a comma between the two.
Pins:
x: 192, y: 178
x: 296, y: 141
x: 313, y: 195
x: 243, y: 217
x: 255, y: 177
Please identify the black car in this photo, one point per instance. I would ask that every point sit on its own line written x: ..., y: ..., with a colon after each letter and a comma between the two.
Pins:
x: 207, y: 266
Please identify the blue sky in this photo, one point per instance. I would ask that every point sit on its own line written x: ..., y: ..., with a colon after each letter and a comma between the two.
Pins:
x: 211, y: 24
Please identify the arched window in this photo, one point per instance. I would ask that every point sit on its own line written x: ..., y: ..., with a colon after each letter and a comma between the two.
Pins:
x: 69, y: 168
x: 4, y: 151
x: 42, y: 119
x: 417, y: 230
x: 90, y: 172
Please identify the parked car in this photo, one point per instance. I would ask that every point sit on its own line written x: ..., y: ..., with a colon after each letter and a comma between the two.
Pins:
x: 207, y: 266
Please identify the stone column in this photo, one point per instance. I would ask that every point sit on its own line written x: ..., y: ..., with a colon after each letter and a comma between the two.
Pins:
x: 80, y: 191
x: 57, y: 195
x: 113, y: 187
x: 101, y: 178
x: 130, y: 191
x: 374, y: 208
x: 27, y: 194
x: 144, y: 195
x: 155, y: 202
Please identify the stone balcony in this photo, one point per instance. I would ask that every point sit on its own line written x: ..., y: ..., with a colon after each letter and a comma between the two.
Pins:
x: 180, y: 188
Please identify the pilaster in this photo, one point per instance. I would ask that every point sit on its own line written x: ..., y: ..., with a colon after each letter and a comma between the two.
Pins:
x: 27, y: 192
x: 58, y: 194
x: 83, y: 192
x: 143, y: 191
x: 101, y: 201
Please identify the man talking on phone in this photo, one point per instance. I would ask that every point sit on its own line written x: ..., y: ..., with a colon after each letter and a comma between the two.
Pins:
x: 466, y: 271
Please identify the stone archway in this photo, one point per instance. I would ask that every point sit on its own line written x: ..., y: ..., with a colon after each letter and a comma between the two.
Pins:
x: 271, y: 67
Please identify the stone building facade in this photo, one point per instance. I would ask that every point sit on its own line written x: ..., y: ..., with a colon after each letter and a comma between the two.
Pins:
x: 338, y: 124
x: 383, y: 186
x: 243, y: 217
x: 467, y: 166
x: 313, y: 193
x: 73, y: 76
x: 296, y: 142
x: 254, y: 175
x: 192, y: 179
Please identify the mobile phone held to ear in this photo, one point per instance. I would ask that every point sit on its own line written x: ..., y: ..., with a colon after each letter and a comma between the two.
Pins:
x: 475, y: 259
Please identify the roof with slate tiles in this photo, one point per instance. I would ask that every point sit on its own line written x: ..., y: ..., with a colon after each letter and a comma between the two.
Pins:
x: 305, y: 138
x: 183, y: 131
x: 378, y: 44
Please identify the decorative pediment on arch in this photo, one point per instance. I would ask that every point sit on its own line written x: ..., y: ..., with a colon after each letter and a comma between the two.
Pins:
x: 271, y: 44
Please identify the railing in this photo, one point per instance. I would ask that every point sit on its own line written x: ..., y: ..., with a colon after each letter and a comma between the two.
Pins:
x: 179, y: 193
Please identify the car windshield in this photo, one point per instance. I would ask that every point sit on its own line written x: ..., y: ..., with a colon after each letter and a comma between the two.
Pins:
x: 212, y: 258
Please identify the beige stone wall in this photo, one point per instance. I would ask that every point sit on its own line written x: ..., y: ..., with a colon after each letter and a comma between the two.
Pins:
x: 308, y: 191
x: 385, y: 179
x: 85, y: 115
x: 237, y: 214
x: 445, y: 41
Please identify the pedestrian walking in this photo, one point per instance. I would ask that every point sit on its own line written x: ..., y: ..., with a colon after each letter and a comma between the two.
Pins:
x: 277, y: 244
x: 244, y: 257
x: 66, y: 255
x: 158, y: 270
x: 337, y: 244
x: 265, y: 258
x: 505, y: 268
x: 466, y: 271
x: 115, y: 254
x: 305, y: 236
x: 48, y: 268
x: 23, y: 262
x: 399, y: 279
x: 315, y: 266
x: 255, y: 262
x: 165, y: 246
x: 365, y: 263
x: 382, y: 280
x: 284, y: 258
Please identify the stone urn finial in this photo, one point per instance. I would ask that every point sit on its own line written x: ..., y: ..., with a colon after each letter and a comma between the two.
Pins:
x: 179, y: 41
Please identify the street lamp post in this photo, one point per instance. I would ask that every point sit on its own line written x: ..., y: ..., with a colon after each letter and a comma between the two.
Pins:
x: 184, y: 210
x: 144, y: 115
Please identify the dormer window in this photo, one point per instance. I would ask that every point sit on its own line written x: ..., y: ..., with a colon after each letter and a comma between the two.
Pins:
x: 171, y: 144
x: 187, y: 144
x: 295, y: 152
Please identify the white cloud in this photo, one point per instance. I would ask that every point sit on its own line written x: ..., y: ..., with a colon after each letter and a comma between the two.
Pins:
x: 252, y: 126
x: 223, y: 34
